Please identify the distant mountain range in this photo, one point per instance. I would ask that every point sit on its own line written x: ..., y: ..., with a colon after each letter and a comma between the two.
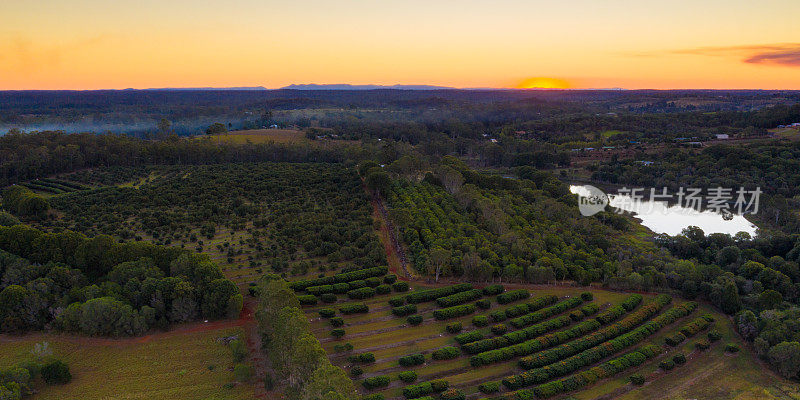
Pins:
x: 209, y: 88
x: 345, y: 86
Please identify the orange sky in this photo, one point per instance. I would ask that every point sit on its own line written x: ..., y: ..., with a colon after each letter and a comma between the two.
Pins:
x: 93, y: 44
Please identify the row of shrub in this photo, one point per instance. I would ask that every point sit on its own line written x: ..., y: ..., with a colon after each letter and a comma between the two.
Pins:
x: 524, y: 308
x: 454, y: 327
x: 493, y: 290
x: 307, y: 300
x: 533, y: 345
x: 375, y: 382
x: 700, y: 323
x: 397, y: 301
x: 668, y: 364
x: 535, y: 341
x: 453, y: 394
x: 534, y: 317
x: 344, y: 287
x: 358, y: 308
x: 363, y: 358
x: 590, y: 376
x: 675, y: 339
x: 402, y: 311
x: 599, y: 352
x: 361, y: 293
x: 512, y: 296
x: 521, y: 335
x: 611, y: 314
x: 412, y: 360
x: 446, y: 353
x: 690, y: 329
x: 425, y: 388
x: 407, y: 376
x: 400, y: 286
x: 468, y: 337
x: 423, y: 296
x: 459, y: 298
x: 609, y: 332
x: 339, y: 278
x: 480, y: 321
x: 454, y: 312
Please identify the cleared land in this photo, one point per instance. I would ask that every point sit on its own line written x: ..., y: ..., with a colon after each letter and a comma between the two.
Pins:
x: 190, y: 365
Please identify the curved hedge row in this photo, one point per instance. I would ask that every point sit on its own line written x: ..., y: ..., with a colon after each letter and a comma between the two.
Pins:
x: 700, y: 323
x: 524, y: 308
x: 459, y: 298
x: 361, y: 293
x: 425, y: 388
x: 468, y: 337
x: 610, y: 314
x: 588, y: 377
x: 354, y: 309
x: 446, y: 353
x: 376, y: 382
x: 307, y: 300
x: 407, y: 376
x: 534, y: 345
x: 524, y: 334
x: 609, y: 332
x: 343, y: 287
x: 433, y: 294
x: 596, y: 353
x: 454, y: 312
x: 412, y: 360
x: 534, y: 317
x: 513, y: 295
x: 339, y: 278
x: 402, y: 311
x: 493, y: 290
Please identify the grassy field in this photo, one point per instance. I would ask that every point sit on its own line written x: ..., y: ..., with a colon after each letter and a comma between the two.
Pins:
x: 791, y: 133
x: 186, y: 366
x: 708, y: 374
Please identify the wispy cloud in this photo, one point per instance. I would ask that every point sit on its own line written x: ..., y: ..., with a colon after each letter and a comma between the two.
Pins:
x: 786, y: 54
x: 790, y: 57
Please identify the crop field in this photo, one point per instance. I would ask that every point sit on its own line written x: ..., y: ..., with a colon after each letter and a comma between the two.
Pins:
x: 527, y: 342
x: 293, y: 219
x: 137, y: 368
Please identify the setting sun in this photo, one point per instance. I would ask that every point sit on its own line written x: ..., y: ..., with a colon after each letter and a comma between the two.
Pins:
x: 543, y: 83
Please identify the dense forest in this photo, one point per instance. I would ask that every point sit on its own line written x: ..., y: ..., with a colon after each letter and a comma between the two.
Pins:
x: 97, y: 286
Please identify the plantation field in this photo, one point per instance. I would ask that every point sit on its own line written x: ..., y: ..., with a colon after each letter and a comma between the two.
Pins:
x: 136, y: 368
x: 388, y: 338
x: 251, y: 219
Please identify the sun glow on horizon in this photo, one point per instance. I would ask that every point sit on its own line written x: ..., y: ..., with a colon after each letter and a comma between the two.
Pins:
x: 544, y: 83
x: 97, y: 44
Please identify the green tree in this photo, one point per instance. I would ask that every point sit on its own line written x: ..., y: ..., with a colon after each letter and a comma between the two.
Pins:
x: 786, y: 356
x: 329, y: 382
x: 731, y: 303
x: 216, y: 129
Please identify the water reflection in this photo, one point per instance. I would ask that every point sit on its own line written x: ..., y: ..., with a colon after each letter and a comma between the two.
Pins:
x: 672, y: 219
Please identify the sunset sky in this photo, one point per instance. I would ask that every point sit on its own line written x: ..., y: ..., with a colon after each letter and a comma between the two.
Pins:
x: 94, y: 44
